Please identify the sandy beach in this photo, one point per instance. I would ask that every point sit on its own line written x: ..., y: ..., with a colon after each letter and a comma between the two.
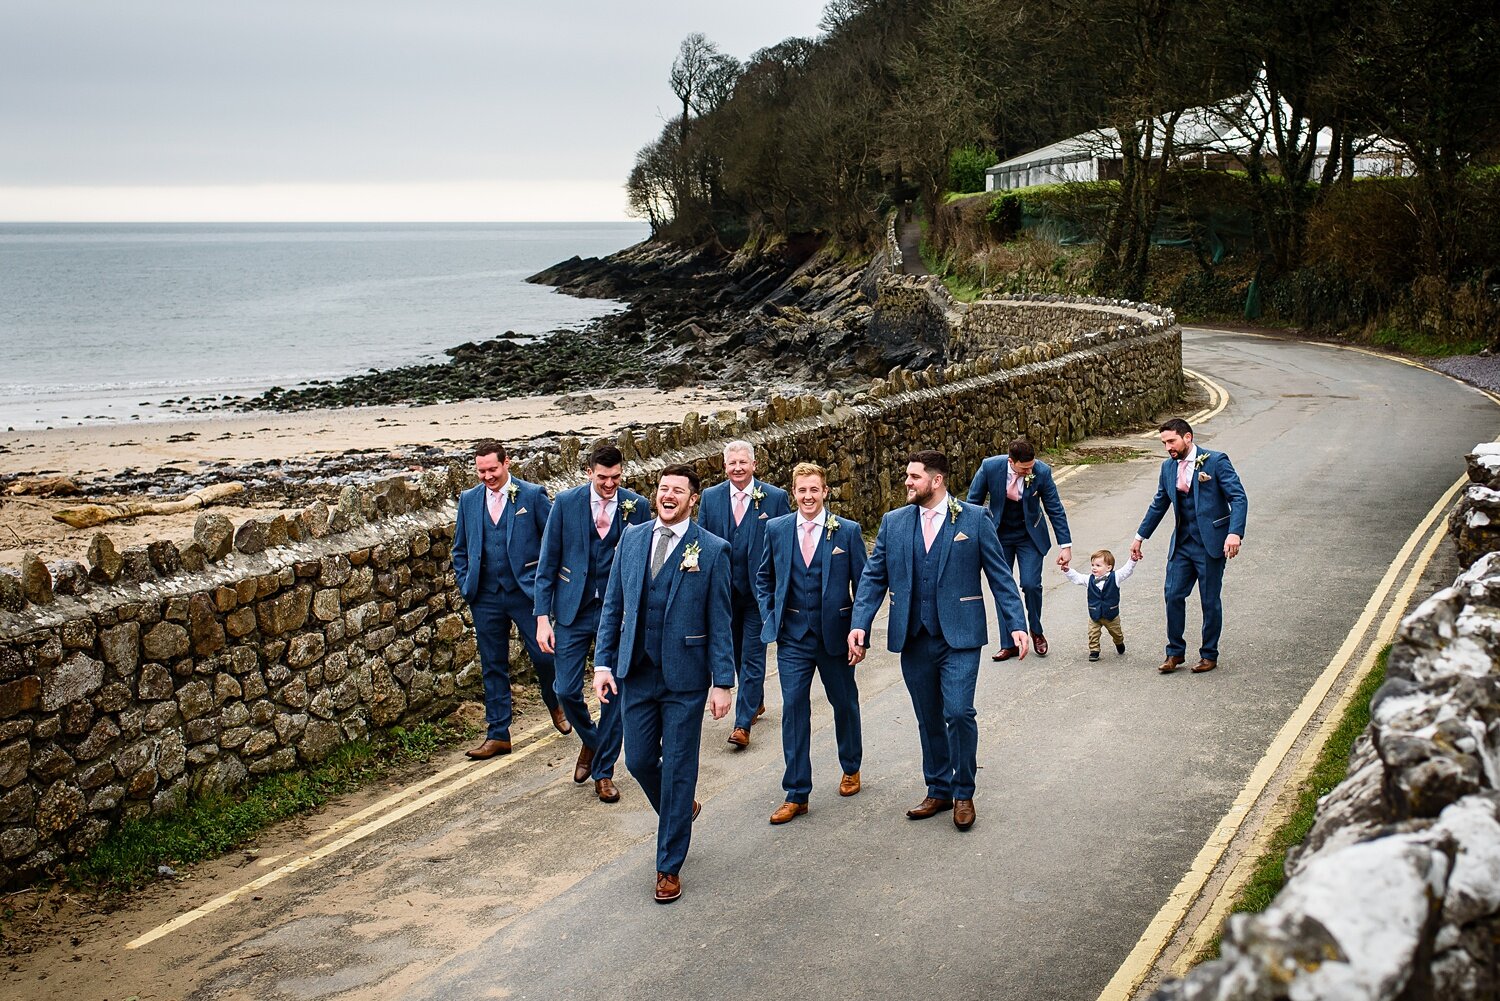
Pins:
x: 93, y: 453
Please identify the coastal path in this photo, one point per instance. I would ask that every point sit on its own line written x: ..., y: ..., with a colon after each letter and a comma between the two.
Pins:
x: 1107, y: 791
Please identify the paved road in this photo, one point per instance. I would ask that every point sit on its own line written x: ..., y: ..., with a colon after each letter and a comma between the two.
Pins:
x: 1100, y: 782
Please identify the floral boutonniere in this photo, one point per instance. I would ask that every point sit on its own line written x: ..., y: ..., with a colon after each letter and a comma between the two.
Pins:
x: 954, y: 510
x: 832, y: 525
x: 690, y: 556
x: 627, y: 507
x: 757, y: 495
x: 511, y: 490
x: 1202, y: 458
x: 1029, y: 480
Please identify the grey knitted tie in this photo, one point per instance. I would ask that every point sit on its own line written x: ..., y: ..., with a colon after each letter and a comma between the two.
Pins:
x: 659, y: 557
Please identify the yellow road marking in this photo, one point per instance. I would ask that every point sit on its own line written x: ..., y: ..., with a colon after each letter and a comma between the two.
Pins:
x: 1137, y: 965
x: 360, y: 833
x: 1245, y: 867
x: 1218, y: 399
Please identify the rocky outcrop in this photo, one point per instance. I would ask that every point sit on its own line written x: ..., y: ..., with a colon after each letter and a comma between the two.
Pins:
x: 1475, y: 522
x: 1395, y: 893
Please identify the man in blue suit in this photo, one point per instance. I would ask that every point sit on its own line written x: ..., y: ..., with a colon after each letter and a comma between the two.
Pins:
x: 578, y: 550
x: 929, y: 555
x: 1205, y: 493
x: 663, y: 648
x: 495, y: 544
x: 737, y: 511
x: 1019, y: 487
x: 805, y: 587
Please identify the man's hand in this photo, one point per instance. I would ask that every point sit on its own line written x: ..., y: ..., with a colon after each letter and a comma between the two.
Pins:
x: 604, y: 684
x: 1231, y: 546
x: 1021, y: 642
x: 1135, y: 550
x: 718, y: 702
x: 1065, y: 557
x: 856, y: 645
x: 545, y: 639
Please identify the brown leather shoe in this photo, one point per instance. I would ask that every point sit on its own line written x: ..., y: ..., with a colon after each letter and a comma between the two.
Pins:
x: 758, y: 714
x: 929, y: 807
x: 1039, y: 644
x: 1204, y: 665
x: 786, y: 811
x: 849, y: 785
x: 668, y: 887
x: 559, y: 721
x: 489, y: 749
x: 1007, y: 652
x: 963, y: 814
x: 606, y: 790
x: 697, y: 809
x: 584, y: 766
x: 740, y: 737
x: 1170, y: 664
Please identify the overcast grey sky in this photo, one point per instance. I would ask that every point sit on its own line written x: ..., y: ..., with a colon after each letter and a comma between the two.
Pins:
x: 313, y: 109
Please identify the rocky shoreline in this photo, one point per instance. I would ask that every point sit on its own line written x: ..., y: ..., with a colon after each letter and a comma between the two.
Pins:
x: 785, y: 319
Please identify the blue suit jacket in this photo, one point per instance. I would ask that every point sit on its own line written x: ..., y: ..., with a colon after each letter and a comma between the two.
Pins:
x: 1041, y: 496
x: 1219, y: 503
x: 529, y: 511
x: 973, y: 548
x: 842, y: 559
x: 697, y: 648
x: 563, y: 571
x: 716, y: 515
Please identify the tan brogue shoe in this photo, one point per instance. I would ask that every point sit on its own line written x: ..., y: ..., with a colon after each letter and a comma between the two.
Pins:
x: 489, y: 749
x: 786, y: 811
x: 929, y: 807
x: 559, y: 721
x: 740, y: 738
x: 606, y: 790
x: 1204, y: 665
x: 849, y: 785
x: 1170, y: 664
x: 668, y: 887
x: 584, y: 766
x: 963, y: 814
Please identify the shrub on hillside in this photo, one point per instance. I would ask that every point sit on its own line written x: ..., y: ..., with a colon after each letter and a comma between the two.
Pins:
x: 966, y: 167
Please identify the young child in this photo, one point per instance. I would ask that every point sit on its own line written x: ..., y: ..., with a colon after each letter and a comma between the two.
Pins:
x: 1104, y: 598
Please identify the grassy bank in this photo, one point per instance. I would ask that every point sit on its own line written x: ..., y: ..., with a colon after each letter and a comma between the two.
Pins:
x: 1331, y: 768
x: 210, y: 825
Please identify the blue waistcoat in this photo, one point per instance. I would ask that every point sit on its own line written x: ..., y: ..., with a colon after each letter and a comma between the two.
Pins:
x: 924, y: 577
x: 1012, y: 520
x: 495, y: 573
x: 1104, y: 603
x: 1187, y: 521
x: 804, y: 594
x: 653, y: 621
x: 739, y: 551
x: 601, y: 559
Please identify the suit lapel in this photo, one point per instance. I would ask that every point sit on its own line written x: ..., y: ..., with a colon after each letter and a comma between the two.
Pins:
x: 906, y: 529
x: 674, y: 561
x: 784, y: 564
x: 825, y: 550
x: 947, y: 527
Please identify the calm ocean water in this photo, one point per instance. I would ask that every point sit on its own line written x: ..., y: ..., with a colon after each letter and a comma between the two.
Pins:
x: 110, y: 323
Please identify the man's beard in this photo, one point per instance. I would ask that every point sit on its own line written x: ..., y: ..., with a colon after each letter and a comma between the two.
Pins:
x: 922, y: 497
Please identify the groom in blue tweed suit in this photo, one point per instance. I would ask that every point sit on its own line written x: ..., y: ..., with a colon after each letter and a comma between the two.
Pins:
x: 495, y: 544
x: 806, y: 587
x: 738, y: 511
x: 929, y: 556
x: 663, y: 648
x: 1203, y: 489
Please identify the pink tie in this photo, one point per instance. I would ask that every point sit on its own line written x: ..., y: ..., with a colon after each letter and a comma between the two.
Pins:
x: 1184, y: 475
x: 1014, y: 491
x: 809, y: 541
x: 929, y: 527
x: 601, y: 522
x: 739, y: 508
x: 494, y: 505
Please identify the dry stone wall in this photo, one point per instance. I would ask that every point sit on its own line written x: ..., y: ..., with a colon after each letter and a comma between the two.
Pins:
x: 1395, y: 893
x: 144, y: 676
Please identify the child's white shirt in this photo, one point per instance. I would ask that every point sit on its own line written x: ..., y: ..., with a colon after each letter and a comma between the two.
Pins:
x: 1121, y: 575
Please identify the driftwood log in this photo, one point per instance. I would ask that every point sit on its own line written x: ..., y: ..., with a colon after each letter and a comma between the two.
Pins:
x: 89, y: 515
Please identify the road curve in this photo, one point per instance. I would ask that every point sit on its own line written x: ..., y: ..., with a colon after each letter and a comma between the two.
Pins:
x: 1099, y: 782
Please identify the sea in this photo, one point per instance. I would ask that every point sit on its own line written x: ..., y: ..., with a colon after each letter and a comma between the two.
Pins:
x: 115, y: 323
